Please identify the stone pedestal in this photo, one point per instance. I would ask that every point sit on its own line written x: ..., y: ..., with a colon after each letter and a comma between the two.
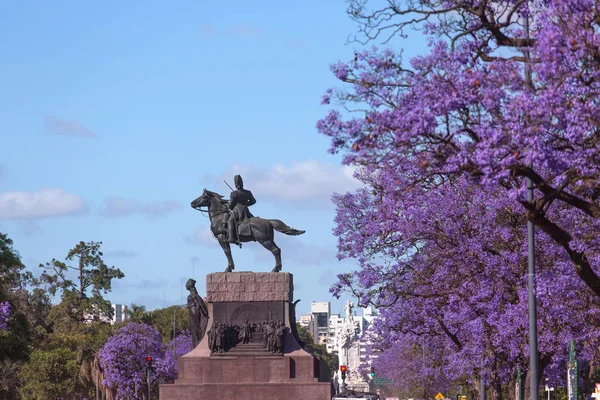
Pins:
x: 248, y: 371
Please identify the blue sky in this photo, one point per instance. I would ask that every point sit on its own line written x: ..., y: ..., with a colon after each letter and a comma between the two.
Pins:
x: 115, y: 115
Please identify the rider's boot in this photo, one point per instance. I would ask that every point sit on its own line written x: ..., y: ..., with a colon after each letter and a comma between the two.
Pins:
x: 232, y: 236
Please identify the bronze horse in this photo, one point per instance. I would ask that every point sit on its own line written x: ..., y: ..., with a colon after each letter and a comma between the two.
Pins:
x: 262, y: 230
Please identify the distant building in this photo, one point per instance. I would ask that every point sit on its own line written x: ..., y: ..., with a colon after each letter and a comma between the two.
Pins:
x: 319, y: 325
x: 305, y: 320
x: 335, y: 323
x: 364, y: 321
x: 325, y: 327
x: 317, y: 322
x: 119, y: 313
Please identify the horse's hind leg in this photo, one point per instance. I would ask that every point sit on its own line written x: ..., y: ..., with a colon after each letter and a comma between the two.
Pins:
x: 272, y: 247
x: 227, y: 250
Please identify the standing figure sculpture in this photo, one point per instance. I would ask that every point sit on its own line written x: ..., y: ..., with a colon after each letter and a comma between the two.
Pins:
x: 232, y: 222
x: 239, y: 201
x: 198, y: 313
x: 348, y: 311
x: 245, y: 334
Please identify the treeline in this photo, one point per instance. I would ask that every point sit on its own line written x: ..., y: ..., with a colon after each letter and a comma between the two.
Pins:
x: 50, y: 351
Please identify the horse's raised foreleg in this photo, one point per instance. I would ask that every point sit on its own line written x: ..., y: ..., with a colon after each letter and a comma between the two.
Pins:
x: 272, y: 247
x: 227, y: 250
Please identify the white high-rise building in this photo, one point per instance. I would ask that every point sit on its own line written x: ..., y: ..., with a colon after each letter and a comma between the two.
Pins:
x: 119, y: 313
x: 318, y: 327
x: 335, y: 324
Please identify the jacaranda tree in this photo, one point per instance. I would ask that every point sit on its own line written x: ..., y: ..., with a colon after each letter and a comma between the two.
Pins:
x: 443, y: 145
x: 123, y: 359
x: 465, y: 109
x: 457, y: 291
x: 167, y: 367
x: 4, y: 314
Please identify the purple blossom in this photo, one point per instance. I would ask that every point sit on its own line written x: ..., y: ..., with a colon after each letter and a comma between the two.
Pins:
x: 123, y: 359
x: 4, y: 314
x: 167, y: 367
x: 443, y: 145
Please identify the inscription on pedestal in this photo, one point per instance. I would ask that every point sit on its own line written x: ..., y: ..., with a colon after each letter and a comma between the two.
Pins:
x: 249, y: 287
x: 237, y: 313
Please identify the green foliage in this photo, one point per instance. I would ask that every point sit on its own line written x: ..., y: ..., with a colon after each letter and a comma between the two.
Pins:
x: 12, y: 276
x: 9, y: 379
x: 47, y: 350
x: 49, y: 374
x: 13, y: 280
x: 92, y: 277
x: 319, y: 350
x: 15, y: 341
x: 138, y: 313
x: 162, y: 320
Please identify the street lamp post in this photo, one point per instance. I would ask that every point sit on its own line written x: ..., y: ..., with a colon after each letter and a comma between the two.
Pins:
x: 532, y: 304
x: 175, y: 326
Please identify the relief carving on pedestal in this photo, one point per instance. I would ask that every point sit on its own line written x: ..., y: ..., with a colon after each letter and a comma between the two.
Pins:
x: 266, y: 336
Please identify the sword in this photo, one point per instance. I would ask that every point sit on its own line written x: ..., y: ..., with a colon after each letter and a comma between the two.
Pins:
x: 228, y: 185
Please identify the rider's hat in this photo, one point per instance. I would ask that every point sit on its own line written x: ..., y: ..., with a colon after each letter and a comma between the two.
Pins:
x: 238, y: 181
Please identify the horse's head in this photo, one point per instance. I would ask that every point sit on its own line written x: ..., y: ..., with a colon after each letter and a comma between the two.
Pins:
x: 206, y: 199
x: 202, y: 201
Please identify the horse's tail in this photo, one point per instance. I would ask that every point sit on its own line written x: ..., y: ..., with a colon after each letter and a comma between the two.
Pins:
x: 283, y: 228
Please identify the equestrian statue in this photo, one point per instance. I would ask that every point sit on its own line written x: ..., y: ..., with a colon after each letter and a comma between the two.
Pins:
x: 231, y: 222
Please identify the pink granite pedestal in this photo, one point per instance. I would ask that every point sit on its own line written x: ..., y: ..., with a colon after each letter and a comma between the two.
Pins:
x: 243, y: 373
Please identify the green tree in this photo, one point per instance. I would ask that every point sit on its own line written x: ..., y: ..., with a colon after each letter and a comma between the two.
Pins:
x: 163, y: 321
x: 92, y: 338
x: 319, y: 350
x: 90, y: 275
x: 82, y: 341
x: 49, y: 374
x: 138, y: 313
x: 15, y: 341
x: 12, y: 271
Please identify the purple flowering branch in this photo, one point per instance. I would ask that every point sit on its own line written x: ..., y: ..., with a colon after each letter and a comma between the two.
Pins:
x: 464, y: 111
x: 4, y: 314
x: 123, y: 359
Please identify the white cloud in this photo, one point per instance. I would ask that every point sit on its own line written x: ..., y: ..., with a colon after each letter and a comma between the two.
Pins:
x: 308, y: 184
x: 327, y: 278
x: 207, y: 29
x: 29, y: 227
x: 121, y: 253
x: 293, y: 249
x: 202, y: 237
x: 44, y: 203
x: 67, y: 128
x: 122, y: 207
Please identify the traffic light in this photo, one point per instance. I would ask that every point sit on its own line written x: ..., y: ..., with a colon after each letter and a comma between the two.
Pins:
x: 149, y: 362
x: 372, y: 372
x: 343, y: 370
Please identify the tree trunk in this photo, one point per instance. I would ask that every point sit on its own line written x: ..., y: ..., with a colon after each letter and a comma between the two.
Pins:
x: 512, y: 388
x: 497, y: 390
x: 476, y: 389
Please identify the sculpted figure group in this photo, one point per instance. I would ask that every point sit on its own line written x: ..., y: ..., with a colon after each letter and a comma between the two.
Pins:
x: 222, y: 336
